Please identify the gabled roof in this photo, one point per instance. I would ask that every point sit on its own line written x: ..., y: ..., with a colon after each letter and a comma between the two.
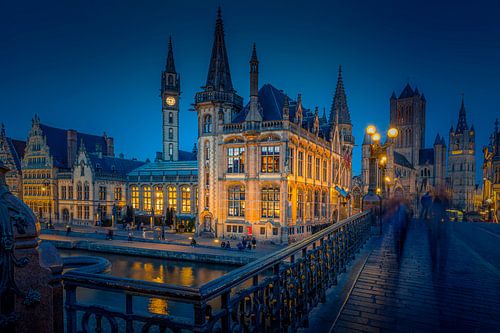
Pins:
x: 17, y: 148
x: 401, y: 160
x: 57, y: 140
x: 426, y: 156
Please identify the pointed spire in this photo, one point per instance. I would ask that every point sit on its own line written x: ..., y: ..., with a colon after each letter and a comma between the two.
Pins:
x: 195, y: 149
x: 316, y: 120
x: 462, y: 119
x: 416, y: 92
x: 407, y: 92
x: 2, y: 131
x: 438, y: 140
x: 170, y: 65
x: 298, y: 112
x: 219, y: 76
x: 393, y: 96
x: 339, y: 107
x: 254, y: 73
x: 323, y: 117
x: 286, y: 108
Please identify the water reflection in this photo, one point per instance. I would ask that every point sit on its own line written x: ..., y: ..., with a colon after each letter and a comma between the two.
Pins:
x: 150, y: 269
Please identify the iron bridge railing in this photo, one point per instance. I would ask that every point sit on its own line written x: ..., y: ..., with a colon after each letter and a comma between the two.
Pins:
x: 272, y: 294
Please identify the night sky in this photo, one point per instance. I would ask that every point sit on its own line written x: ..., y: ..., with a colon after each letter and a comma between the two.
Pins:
x: 95, y: 65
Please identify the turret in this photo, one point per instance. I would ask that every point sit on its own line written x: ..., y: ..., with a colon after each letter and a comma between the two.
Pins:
x: 254, y: 114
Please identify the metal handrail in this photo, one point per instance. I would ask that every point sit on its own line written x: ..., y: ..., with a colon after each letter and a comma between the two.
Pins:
x: 229, y: 280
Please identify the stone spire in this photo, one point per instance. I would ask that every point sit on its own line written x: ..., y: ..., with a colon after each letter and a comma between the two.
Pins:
x: 254, y: 113
x: 2, y: 131
x: 219, y: 76
x: 462, y: 120
x: 170, y: 65
x: 437, y: 141
x: 339, y: 105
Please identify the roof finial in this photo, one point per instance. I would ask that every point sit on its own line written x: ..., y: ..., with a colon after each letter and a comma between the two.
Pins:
x: 219, y: 12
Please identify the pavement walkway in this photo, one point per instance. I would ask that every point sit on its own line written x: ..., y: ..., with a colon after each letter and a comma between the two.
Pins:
x: 458, y: 291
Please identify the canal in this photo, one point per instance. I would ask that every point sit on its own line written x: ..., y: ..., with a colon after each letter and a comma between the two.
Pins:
x: 150, y: 269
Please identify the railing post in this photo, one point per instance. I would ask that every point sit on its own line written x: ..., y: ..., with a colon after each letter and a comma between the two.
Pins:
x: 70, y: 312
x: 129, y: 312
x: 199, y: 315
x: 276, y: 292
x: 226, y: 319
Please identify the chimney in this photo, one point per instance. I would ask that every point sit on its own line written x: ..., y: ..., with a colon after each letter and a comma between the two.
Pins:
x: 72, y: 143
x: 110, y: 146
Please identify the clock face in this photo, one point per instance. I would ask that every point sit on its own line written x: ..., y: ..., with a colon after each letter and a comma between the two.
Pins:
x: 170, y: 100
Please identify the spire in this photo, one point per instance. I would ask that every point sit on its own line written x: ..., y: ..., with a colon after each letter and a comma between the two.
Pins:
x: 286, y: 108
x: 339, y: 105
x: 393, y: 96
x: 219, y: 76
x: 462, y: 120
x: 254, y: 113
x: 323, y: 117
x: 438, y: 140
x: 254, y: 73
x: 407, y: 92
x: 170, y: 65
x: 2, y: 131
x: 316, y: 120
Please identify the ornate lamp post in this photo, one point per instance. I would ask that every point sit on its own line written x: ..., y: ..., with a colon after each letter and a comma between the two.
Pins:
x: 378, y: 156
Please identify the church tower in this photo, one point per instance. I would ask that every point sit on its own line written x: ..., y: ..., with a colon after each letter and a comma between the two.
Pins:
x: 216, y: 105
x: 340, y: 116
x: 407, y: 114
x: 462, y: 162
x: 170, y: 93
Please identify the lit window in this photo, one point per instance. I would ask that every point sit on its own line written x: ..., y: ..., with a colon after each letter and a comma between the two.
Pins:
x: 102, y: 193
x: 146, y: 196
x: 236, y: 201
x: 236, y: 160
x: 291, y: 160
x: 158, y: 199
x: 207, y: 124
x: 300, y: 166
x: 270, y: 159
x: 325, y: 170
x: 172, y: 198
x: 86, y: 191
x: 186, y: 199
x: 118, y: 193
x: 86, y: 213
x: 317, y: 169
x: 316, y: 204
x: 309, y: 166
x: 134, y: 190
x: 270, y: 198
x: 170, y: 150
x: 79, y: 191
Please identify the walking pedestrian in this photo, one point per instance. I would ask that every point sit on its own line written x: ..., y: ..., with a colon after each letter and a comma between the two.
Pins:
x: 143, y: 233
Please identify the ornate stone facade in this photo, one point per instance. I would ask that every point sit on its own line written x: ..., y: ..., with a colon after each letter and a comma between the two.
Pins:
x: 462, y: 163
x: 411, y: 168
x: 490, y: 203
x: 11, y: 154
x: 268, y: 169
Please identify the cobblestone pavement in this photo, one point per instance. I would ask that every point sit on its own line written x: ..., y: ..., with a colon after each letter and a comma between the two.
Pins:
x: 459, y: 291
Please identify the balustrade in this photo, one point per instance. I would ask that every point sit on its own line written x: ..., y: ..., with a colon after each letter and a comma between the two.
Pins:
x: 273, y: 293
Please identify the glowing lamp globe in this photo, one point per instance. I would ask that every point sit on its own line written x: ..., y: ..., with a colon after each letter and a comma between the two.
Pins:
x: 392, y: 132
x: 371, y: 130
x: 376, y: 137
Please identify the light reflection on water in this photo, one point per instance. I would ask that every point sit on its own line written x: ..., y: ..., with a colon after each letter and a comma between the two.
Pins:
x: 150, y: 269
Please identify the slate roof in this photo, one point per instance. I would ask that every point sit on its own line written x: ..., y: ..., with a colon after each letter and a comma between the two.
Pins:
x: 113, y: 165
x: 167, y: 168
x: 462, y: 119
x: 17, y: 148
x: 401, y: 160
x: 409, y: 92
x: 187, y: 155
x: 57, y: 140
x: 426, y: 156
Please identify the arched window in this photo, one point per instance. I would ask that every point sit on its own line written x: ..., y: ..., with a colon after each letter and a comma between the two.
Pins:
x: 146, y: 197
x: 79, y: 191
x: 170, y: 80
x: 170, y: 149
x: 159, y: 199
x: 309, y: 205
x: 170, y: 133
x: 170, y: 118
x: 316, y: 204
x: 270, y: 198
x: 172, y: 198
x: 300, y: 205
x: 186, y: 199
x: 236, y: 201
x: 324, y: 204
x: 207, y: 124
x: 134, y: 193
x: 86, y: 191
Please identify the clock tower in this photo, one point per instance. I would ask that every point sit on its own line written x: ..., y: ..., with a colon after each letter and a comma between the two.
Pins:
x: 170, y: 93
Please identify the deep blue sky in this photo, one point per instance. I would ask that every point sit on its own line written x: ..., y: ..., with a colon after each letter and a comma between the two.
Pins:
x: 95, y: 65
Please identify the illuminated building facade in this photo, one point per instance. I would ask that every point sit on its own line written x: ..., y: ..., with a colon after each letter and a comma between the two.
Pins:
x: 268, y: 168
x: 490, y: 204
x: 462, y: 163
